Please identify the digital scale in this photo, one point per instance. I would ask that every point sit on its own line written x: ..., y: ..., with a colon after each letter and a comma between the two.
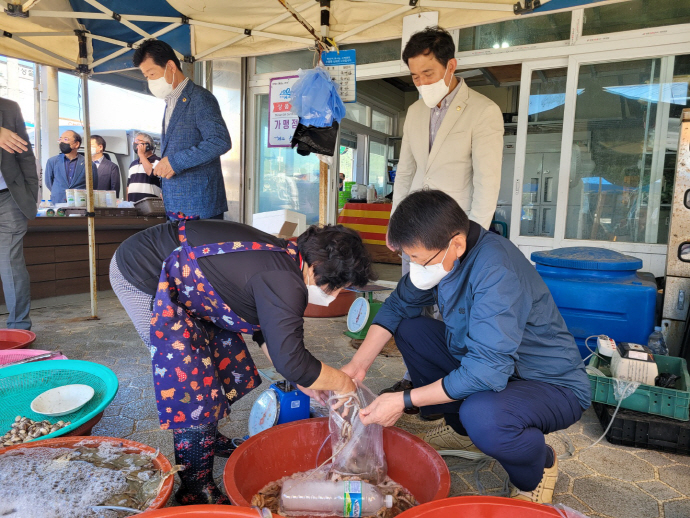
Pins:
x: 281, y: 403
x: 363, y: 310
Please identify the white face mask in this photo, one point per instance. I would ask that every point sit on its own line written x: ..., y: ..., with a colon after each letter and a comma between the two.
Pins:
x: 434, y: 93
x: 94, y: 151
x: 160, y: 87
x: 426, y: 277
x: 315, y: 295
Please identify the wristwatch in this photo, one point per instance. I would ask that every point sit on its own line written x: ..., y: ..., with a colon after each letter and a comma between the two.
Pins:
x: 407, y: 399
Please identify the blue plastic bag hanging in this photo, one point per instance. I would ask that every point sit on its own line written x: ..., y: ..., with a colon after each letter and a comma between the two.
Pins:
x: 315, y: 99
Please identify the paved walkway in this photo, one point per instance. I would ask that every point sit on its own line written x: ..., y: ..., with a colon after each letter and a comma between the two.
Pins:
x: 604, y: 481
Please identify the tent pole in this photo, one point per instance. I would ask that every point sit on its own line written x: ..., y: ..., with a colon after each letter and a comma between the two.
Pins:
x: 323, y: 167
x: 89, y: 194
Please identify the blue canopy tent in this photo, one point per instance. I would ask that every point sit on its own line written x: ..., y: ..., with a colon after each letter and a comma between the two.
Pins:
x: 98, y: 36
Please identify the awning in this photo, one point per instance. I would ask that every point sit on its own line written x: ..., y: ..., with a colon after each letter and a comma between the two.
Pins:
x: 206, y: 29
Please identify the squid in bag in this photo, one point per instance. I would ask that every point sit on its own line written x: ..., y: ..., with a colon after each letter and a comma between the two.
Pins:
x: 357, y: 449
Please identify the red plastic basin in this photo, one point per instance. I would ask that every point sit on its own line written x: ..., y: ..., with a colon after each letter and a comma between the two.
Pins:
x: 160, y: 461
x: 292, y: 447
x: 16, y: 338
x: 205, y: 511
x: 480, y: 507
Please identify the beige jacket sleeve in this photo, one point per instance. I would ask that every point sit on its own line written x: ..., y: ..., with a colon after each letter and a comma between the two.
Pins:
x: 407, y: 166
x: 487, y: 156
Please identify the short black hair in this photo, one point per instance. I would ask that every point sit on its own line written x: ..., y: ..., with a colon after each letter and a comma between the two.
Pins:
x: 157, y: 50
x: 432, y: 40
x: 77, y: 136
x: 99, y: 140
x: 338, y: 256
x: 427, y: 218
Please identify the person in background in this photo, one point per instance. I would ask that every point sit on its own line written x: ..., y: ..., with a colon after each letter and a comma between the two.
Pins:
x: 194, y: 136
x: 142, y: 183
x: 107, y: 171
x: 341, y: 181
x: 18, y: 193
x: 502, y: 366
x: 68, y: 169
x: 452, y: 138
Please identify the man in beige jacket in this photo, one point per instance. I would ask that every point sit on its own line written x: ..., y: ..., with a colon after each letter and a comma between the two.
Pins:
x: 452, y: 137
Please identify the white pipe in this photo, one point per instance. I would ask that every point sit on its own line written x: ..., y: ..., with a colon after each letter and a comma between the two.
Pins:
x: 72, y: 64
x: 262, y: 34
x: 117, y: 53
x: 107, y: 40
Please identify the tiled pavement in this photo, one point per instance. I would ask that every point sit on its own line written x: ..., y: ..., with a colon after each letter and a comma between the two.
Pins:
x: 604, y: 481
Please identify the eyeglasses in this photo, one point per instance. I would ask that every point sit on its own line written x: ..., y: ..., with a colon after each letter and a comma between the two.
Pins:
x: 436, y: 254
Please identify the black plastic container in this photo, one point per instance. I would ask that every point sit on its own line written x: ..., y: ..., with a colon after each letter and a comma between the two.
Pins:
x: 646, y: 431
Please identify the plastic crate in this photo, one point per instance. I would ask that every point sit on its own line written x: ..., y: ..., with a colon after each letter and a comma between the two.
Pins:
x: 666, y: 402
x: 150, y: 207
x: 646, y: 431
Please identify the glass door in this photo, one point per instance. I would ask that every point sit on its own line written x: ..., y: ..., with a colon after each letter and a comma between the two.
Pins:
x: 283, y: 179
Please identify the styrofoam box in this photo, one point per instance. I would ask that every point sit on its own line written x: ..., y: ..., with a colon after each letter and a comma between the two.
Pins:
x: 272, y: 222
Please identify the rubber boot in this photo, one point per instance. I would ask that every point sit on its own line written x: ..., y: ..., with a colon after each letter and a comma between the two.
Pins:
x: 194, y: 449
x: 224, y: 446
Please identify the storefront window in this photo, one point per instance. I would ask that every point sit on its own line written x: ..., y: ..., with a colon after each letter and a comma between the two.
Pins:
x: 378, y: 171
x: 543, y: 152
x: 357, y: 112
x: 381, y: 122
x: 285, y: 180
x: 620, y: 189
x: 522, y: 31
x: 634, y: 14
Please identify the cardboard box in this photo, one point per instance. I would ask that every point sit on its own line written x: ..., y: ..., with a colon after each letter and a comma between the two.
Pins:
x: 274, y: 222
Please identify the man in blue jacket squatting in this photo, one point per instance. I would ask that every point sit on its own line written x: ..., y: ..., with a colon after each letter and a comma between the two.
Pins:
x: 502, y: 366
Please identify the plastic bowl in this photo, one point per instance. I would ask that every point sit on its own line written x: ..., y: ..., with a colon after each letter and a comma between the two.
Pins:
x: 20, y: 384
x: 159, y: 462
x: 62, y: 400
x: 16, y: 338
x: 481, y: 507
x: 292, y: 447
x: 205, y: 511
x: 15, y: 355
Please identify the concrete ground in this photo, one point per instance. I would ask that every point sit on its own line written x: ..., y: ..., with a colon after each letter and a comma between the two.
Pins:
x: 604, y: 481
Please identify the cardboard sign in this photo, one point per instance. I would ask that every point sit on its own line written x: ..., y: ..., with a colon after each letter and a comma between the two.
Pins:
x: 281, y: 121
x: 342, y: 67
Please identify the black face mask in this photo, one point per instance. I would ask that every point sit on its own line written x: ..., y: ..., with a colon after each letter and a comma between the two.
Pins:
x: 65, y: 148
x: 147, y: 147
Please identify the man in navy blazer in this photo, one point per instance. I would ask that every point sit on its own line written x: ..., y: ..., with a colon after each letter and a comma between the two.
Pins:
x: 67, y: 170
x: 107, y: 171
x: 194, y: 136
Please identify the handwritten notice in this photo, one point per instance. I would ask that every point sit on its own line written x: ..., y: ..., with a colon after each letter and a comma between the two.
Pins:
x: 342, y: 67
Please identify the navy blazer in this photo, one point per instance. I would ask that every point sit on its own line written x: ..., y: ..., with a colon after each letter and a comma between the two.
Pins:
x: 108, y: 176
x: 56, y: 177
x: 193, y: 144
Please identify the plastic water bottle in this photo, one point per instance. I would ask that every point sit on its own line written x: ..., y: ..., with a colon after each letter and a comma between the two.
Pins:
x: 347, y: 498
x: 656, y: 342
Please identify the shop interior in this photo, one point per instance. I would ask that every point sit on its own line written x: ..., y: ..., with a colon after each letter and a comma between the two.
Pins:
x: 621, y: 174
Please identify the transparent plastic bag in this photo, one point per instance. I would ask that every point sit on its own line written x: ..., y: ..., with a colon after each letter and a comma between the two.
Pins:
x: 357, y: 449
x: 567, y: 512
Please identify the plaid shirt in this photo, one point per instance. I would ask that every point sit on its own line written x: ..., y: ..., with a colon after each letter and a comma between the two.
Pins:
x: 437, y: 114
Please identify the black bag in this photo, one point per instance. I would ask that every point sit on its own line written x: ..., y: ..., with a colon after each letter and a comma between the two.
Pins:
x: 310, y: 139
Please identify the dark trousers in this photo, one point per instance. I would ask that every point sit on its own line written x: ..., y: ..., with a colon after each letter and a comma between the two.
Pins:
x: 508, y: 425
